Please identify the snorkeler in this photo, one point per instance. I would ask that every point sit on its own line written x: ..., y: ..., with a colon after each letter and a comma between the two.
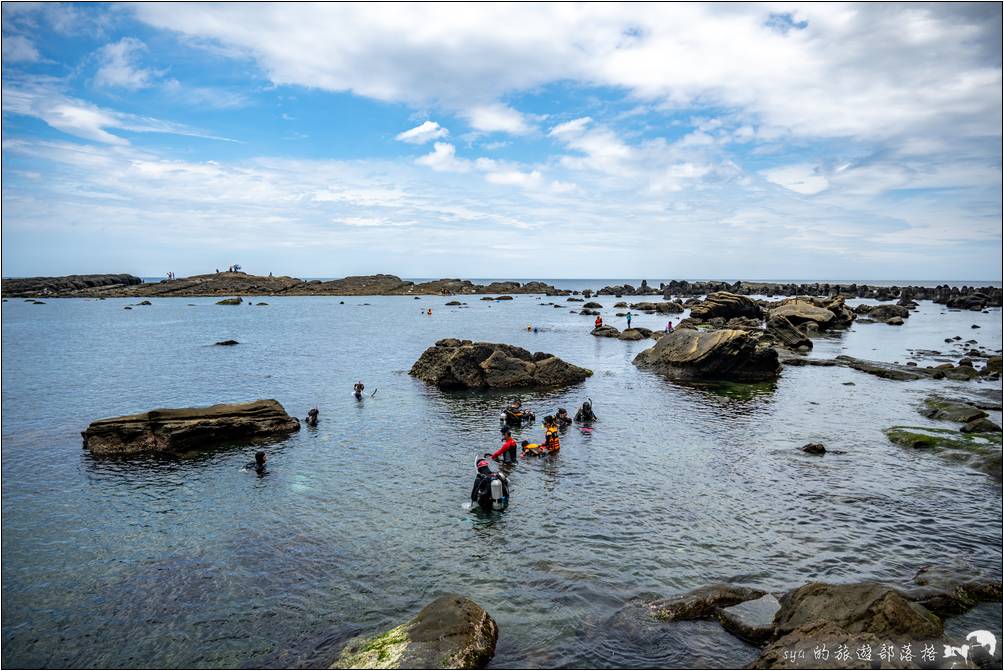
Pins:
x: 562, y: 419
x: 312, y: 417
x: 585, y: 413
x: 258, y: 465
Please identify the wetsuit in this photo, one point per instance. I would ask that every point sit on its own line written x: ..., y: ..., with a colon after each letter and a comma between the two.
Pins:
x: 563, y: 420
x: 585, y: 415
x: 481, y: 493
x: 508, y: 449
x: 260, y: 469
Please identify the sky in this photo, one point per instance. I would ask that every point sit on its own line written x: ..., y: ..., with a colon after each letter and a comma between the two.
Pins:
x: 752, y: 141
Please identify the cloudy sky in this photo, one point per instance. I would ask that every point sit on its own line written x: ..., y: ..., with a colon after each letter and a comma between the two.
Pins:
x: 828, y: 141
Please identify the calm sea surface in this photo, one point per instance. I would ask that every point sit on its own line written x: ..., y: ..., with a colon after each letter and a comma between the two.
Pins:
x: 191, y: 562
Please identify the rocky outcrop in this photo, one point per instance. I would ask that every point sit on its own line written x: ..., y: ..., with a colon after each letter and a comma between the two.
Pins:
x: 230, y: 301
x: 450, y: 633
x: 636, y: 333
x: 751, y: 620
x: 727, y: 306
x: 662, y: 307
x: 800, y: 311
x: 67, y: 285
x: 687, y: 354
x: 981, y: 451
x: 952, y: 589
x: 182, y: 429
x: 936, y: 407
x: 883, y: 312
x: 965, y: 297
x: 605, y: 331
x: 703, y: 602
x: 462, y: 364
x: 787, y: 334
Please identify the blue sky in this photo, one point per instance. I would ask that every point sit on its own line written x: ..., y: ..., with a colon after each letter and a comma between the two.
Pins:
x: 858, y: 141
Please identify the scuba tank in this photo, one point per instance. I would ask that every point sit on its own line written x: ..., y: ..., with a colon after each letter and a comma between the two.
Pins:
x: 500, y: 498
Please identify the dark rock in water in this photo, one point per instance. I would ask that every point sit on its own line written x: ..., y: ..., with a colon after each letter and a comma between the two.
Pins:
x: 591, y: 313
x: 462, y: 364
x: 952, y: 589
x: 664, y: 307
x: 605, y: 331
x: 975, y: 326
x: 895, y: 321
x: 703, y: 602
x: 182, y: 429
x: 228, y: 342
x: 621, y: 304
x: 787, y: 333
x: 802, y: 649
x: 856, y: 608
x: 450, y: 633
x: 454, y: 303
x: 889, y: 371
x: 883, y: 312
x: 936, y: 407
x: 726, y: 305
x: 592, y: 305
x: 636, y: 333
x: 992, y: 367
x: 230, y: 301
x: 504, y: 298
x: 127, y: 308
x: 262, y: 303
x: 981, y: 451
x: 814, y: 448
x: 686, y: 354
x: 575, y: 300
x: 982, y: 425
x: 67, y: 285
x: 144, y: 303
x: 753, y: 620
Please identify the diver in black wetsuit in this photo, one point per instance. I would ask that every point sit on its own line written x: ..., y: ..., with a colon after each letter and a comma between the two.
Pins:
x: 562, y: 419
x: 312, y: 417
x: 585, y: 413
x: 481, y: 493
x: 258, y: 465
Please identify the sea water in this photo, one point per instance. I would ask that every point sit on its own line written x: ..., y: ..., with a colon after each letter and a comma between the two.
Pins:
x: 190, y: 561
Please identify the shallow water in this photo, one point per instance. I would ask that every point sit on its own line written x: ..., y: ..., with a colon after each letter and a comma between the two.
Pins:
x: 360, y: 522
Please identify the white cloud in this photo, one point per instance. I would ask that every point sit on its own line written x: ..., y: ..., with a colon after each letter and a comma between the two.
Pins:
x: 526, y: 180
x: 802, y: 178
x: 19, y: 49
x: 443, y: 159
x: 118, y: 68
x: 497, y: 117
x: 422, y: 133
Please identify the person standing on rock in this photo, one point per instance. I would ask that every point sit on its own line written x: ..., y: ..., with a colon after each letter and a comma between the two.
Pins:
x: 629, y: 315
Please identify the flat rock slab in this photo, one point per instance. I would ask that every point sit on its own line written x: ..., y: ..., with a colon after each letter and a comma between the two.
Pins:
x: 703, y: 602
x: 182, y: 429
x: 751, y: 620
x: 450, y: 633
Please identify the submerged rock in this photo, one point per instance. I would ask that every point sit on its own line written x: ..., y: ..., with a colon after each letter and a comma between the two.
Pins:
x: 814, y: 448
x: 687, y: 354
x: 703, y: 602
x: 981, y: 451
x: 230, y: 301
x: 981, y: 425
x: 751, y: 620
x: 462, y: 364
x: 182, y: 429
x: 450, y: 633
x: 953, y: 589
x: 228, y: 343
x: 936, y: 407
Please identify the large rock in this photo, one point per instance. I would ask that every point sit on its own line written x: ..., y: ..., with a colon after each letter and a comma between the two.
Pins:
x: 183, y: 429
x: 450, y: 633
x: 67, y: 285
x: 686, y: 354
x: 726, y: 305
x: 788, y: 334
x: 462, y: 364
x: 751, y: 620
x: 936, y: 407
x: 636, y: 333
x: 802, y: 311
x: 817, y: 646
x: 606, y: 331
x: 703, y: 602
x: 857, y: 608
x: 883, y: 312
x: 663, y: 307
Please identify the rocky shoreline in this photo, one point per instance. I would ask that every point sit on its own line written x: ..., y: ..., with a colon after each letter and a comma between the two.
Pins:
x: 240, y: 283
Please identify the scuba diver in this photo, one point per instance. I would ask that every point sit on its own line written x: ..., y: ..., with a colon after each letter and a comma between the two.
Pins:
x: 312, y: 417
x: 258, y: 465
x: 490, y: 491
x: 514, y: 415
x: 551, y: 441
x: 562, y: 419
x: 508, y: 449
x: 357, y: 390
x: 585, y: 413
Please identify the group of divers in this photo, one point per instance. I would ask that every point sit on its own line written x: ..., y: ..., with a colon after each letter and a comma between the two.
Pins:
x: 491, y: 487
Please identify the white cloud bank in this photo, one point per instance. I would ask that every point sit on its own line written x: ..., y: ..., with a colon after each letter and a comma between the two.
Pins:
x: 422, y: 133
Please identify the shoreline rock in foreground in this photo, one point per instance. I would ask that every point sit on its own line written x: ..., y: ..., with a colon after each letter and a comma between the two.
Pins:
x: 450, y: 633
x: 463, y: 364
x: 182, y: 429
x: 727, y: 354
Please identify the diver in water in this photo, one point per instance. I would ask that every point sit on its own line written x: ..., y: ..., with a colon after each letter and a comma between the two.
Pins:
x: 490, y: 491
x: 551, y: 441
x: 562, y: 419
x: 312, y: 417
x: 357, y: 390
x: 508, y: 449
x: 514, y: 415
x: 585, y: 413
x: 258, y: 465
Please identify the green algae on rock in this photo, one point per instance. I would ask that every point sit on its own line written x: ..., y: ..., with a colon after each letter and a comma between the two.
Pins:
x: 450, y: 633
x: 982, y: 451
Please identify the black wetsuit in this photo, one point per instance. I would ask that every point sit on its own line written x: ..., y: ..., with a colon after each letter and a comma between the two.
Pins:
x: 583, y: 415
x: 481, y: 493
x: 260, y: 469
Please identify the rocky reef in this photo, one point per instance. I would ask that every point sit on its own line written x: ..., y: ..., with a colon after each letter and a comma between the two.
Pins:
x: 182, y: 429
x: 450, y: 633
x: 67, y: 284
x: 727, y: 354
x: 463, y: 364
